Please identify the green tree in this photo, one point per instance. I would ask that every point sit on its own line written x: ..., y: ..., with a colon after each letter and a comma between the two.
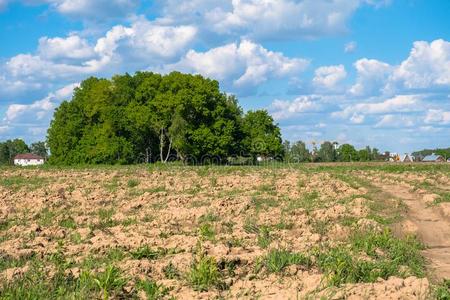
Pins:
x: 39, y: 148
x: 347, y: 152
x: 261, y: 135
x: 327, y: 152
x: 299, y: 152
x: 11, y: 148
x: 145, y: 117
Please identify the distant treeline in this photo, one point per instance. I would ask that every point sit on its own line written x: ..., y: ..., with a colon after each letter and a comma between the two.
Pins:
x: 11, y: 148
x: 445, y: 152
x: 151, y: 117
x: 329, y: 152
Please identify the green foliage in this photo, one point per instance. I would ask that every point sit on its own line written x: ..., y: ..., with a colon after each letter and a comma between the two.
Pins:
x: 297, y: 152
x: 327, y: 152
x: 39, y: 148
x: 347, y: 152
x: 388, y: 256
x: 277, y: 260
x: 11, y: 148
x: 264, y: 238
x: 152, y: 290
x: 442, y: 291
x: 110, y: 280
x: 133, y: 183
x: 170, y: 271
x: 145, y: 117
x: 207, y: 232
x: 262, y: 137
x: 204, y: 274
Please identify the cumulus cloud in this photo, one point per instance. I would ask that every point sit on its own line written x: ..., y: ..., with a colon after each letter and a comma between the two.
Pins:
x: 400, y: 103
x: 371, y: 76
x: 146, y: 40
x: 437, y: 116
x: 428, y: 65
x: 142, y: 45
x: 241, y: 65
x: 72, y: 47
x: 269, y: 19
x: 395, y: 121
x: 328, y: 78
x: 281, y: 109
x: 426, y: 68
x: 40, y: 109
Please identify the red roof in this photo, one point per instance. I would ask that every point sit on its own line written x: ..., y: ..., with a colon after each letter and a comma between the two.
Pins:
x: 28, y: 156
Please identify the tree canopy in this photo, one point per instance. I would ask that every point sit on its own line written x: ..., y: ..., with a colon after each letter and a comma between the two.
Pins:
x: 148, y: 117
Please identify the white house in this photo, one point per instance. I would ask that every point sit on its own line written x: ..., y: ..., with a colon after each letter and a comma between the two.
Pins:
x: 28, y: 159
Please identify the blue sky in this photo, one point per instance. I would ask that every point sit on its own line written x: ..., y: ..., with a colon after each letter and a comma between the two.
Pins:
x: 366, y: 72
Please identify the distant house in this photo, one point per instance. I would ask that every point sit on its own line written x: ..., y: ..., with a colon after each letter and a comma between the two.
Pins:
x: 433, y: 158
x: 405, y: 158
x: 28, y: 159
x: 448, y: 160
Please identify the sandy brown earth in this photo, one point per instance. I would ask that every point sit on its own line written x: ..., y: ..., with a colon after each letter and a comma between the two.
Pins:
x: 155, y: 224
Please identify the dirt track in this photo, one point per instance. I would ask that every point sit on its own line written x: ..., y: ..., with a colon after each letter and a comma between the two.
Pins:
x: 429, y: 224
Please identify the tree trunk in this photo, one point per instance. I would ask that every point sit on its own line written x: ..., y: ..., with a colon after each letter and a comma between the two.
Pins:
x: 161, y: 145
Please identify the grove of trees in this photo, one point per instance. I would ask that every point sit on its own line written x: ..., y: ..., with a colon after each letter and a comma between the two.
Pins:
x: 11, y: 148
x: 149, y: 117
x: 328, y: 152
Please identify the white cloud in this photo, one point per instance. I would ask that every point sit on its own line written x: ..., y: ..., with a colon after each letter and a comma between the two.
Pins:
x: 350, y: 47
x: 328, y: 78
x: 426, y: 68
x: 95, y: 9
x: 286, y: 109
x: 397, y: 121
x: 428, y: 65
x: 437, y: 116
x: 242, y: 65
x: 146, y: 40
x: 141, y: 46
x: 40, y: 109
x: 72, y: 47
x: 268, y: 19
x: 400, y: 103
x: 371, y: 76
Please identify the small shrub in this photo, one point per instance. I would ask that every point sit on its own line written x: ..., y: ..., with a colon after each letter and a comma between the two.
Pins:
x: 207, y: 232
x: 277, y: 260
x: 170, y: 271
x: 68, y: 222
x: 264, y: 238
x: 133, y: 183
x: 152, y: 290
x: 109, y: 281
x: 442, y: 291
x: 204, y: 274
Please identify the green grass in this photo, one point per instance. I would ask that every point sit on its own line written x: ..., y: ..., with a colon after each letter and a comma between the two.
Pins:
x: 204, y: 274
x: 263, y: 203
x: 152, y: 290
x: 133, y: 183
x: 109, y: 281
x: 170, y: 271
x: 208, y: 218
x: 15, y: 183
x: 264, y: 238
x: 277, y: 260
x: 145, y: 252
x: 308, y: 202
x: 388, y: 255
x: 68, y: 222
x: 442, y: 291
x: 207, y: 232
